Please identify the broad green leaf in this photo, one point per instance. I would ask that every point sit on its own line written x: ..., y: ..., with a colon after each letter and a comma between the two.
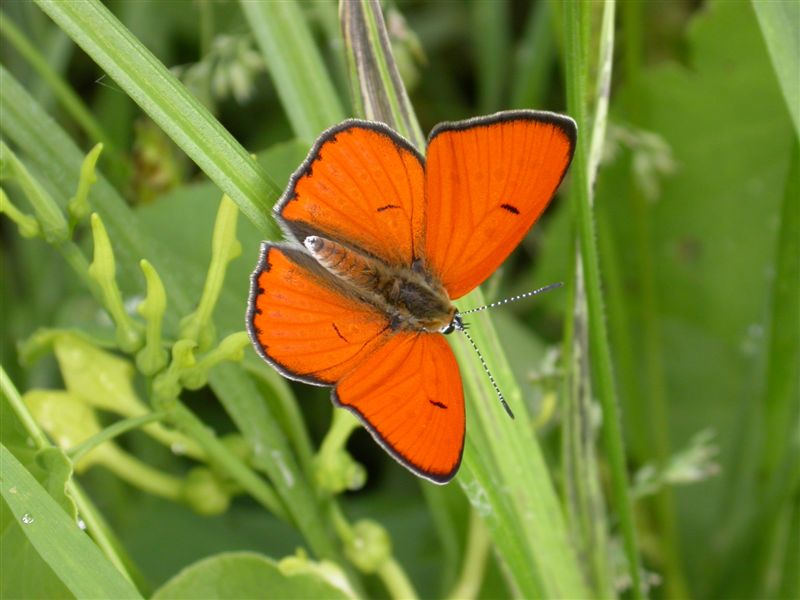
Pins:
x: 67, y: 550
x: 241, y: 576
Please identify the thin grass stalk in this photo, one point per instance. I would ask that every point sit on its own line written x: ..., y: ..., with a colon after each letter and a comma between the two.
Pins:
x: 534, y: 59
x: 631, y: 13
x: 66, y: 96
x: 653, y: 399
x: 575, y: 21
x: 582, y: 481
x: 295, y: 65
x: 781, y: 405
x: 492, y: 51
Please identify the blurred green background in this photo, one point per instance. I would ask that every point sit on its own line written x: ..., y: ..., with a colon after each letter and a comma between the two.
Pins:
x: 695, y: 211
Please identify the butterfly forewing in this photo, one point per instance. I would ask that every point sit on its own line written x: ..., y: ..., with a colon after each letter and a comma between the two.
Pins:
x: 361, y: 185
x: 487, y: 180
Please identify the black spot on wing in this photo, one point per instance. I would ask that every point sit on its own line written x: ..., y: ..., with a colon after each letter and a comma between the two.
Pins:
x: 387, y: 207
x: 510, y: 208
x: 437, y: 404
x: 339, y: 333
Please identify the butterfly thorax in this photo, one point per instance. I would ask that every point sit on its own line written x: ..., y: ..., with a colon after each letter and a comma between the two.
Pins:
x: 411, y: 297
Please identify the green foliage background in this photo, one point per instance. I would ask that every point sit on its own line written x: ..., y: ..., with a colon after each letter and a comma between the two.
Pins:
x: 696, y: 214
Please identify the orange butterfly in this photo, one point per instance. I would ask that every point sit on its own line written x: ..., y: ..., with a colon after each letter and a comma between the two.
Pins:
x: 382, y: 240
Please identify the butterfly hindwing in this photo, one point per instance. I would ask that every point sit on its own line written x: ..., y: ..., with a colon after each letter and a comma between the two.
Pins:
x: 409, y: 395
x: 362, y: 185
x: 304, y: 323
x: 487, y: 180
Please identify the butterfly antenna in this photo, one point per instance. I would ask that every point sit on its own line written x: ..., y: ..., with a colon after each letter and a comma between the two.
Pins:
x: 546, y: 288
x: 500, y: 397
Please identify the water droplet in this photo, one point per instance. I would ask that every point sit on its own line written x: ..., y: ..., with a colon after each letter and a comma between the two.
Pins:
x: 81, y: 524
x: 27, y: 518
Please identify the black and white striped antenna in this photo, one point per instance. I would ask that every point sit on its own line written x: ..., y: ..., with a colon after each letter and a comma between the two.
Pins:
x: 461, y: 326
x: 511, y: 299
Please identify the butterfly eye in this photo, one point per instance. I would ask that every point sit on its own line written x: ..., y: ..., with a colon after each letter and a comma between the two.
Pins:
x: 456, y: 323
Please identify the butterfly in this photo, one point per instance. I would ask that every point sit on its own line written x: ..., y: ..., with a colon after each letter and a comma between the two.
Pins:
x: 381, y: 242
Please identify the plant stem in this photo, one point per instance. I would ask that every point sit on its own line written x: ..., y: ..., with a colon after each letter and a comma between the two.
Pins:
x: 396, y: 581
x: 475, y: 557
x: 575, y: 18
x: 23, y: 414
x: 75, y: 454
x: 141, y: 475
x: 229, y: 463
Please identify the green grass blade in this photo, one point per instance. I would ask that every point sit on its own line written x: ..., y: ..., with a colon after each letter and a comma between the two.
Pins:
x: 503, y: 471
x: 506, y: 478
x: 150, y: 84
x: 780, y: 25
x: 782, y: 394
x: 781, y: 405
x: 296, y: 67
x: 96, y: 525
x: 581, y: 477
x: 373, y: 70
x: 60, y: 542
x: 576, y: 17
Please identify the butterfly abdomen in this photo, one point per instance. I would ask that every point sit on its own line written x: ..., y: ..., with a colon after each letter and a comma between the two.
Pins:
x: 356, y: 269
x: 405, y: 295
